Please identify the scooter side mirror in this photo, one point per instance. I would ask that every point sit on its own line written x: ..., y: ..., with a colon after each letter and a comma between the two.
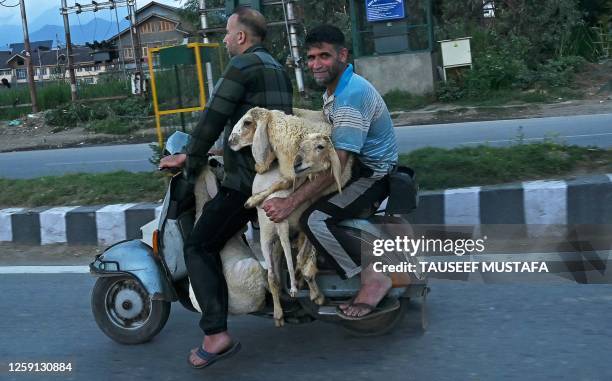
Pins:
x: 177, y: 143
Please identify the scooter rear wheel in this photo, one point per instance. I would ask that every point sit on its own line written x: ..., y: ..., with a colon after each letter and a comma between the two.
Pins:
x: 378, y: 325
x: 124, y: 311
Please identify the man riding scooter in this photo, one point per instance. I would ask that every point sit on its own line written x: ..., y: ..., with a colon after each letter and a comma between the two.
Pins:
x: 252, y: 78
x: 362, y: 127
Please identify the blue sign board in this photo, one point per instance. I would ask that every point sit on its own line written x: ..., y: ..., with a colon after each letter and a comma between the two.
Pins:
x: 381, y: 10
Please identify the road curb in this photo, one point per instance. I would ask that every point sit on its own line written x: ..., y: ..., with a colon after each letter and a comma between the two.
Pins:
x: 583, y: 200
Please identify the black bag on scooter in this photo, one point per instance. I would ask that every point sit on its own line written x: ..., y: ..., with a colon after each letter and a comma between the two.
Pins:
x: 403, y: 191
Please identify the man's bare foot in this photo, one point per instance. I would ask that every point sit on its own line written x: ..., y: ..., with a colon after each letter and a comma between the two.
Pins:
x: 374, y: 287
x: 217, y: 343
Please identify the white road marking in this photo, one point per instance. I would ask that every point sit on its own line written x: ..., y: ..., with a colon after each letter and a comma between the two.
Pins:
x: 44, y: 269
x: 96, y: 162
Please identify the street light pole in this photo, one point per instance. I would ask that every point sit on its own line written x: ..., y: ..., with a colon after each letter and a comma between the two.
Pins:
x: 73, y: 86
x: 28, y: 57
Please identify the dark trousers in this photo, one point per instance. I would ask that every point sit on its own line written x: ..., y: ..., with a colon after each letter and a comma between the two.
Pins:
x: 222, y: 217
x: 359, y: 198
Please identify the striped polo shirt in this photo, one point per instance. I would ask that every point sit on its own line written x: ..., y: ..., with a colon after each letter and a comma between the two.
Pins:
x: 361, y: 122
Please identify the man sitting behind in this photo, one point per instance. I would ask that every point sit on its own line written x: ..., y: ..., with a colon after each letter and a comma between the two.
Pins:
x: 362, y: 127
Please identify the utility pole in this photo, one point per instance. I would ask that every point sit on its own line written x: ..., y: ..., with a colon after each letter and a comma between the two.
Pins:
x: 293, y: 46
x: 28, y: 57
x: 136, y: 43
x: 204, y: 24
x: 73, y: 86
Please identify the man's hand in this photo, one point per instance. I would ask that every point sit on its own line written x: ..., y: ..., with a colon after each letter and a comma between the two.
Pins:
x: 277, y: 208
x: 172, y: 161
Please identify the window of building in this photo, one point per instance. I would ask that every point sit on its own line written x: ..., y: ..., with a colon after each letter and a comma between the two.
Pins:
x: 21, y: 73
x: 88, y: 80
x: 128, y: 53
x: 97, y: 67
x: 149, y: 27
x: 166, y: 26
x: 88, y: 68
x: 145, y: 51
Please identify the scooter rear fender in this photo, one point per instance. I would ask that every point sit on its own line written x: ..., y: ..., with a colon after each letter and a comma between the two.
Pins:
x: 135, y: 258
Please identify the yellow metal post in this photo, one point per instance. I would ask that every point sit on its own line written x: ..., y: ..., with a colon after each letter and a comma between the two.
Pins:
x: 196, y: 48
x: 160, y: 138
x: 158, y: 113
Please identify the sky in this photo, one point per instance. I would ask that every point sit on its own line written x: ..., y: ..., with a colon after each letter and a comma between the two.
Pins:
x: 35, y: 9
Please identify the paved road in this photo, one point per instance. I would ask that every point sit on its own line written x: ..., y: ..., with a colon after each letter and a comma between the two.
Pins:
x: 29, y: 164
x: 477, y: 332
x: 582, y: 130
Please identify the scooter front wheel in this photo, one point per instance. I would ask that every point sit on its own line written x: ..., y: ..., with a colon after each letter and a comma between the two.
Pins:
x: 124, y: 311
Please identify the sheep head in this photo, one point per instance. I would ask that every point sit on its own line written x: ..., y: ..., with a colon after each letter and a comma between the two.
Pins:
x: 245, y: 130
x: 317, y: 154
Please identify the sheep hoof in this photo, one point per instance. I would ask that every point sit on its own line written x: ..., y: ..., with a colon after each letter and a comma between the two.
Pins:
x: 279, y: 322
x: 260, y: 168
x: 251, y: 203
x: 318, y: 299
x: 293, y: 292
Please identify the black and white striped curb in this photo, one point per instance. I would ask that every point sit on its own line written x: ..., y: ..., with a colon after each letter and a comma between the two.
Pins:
x: 585, y: 200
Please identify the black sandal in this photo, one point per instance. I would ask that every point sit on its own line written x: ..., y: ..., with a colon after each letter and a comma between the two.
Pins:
x: 387, y: 304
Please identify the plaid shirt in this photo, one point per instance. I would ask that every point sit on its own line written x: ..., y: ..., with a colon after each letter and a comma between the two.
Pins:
x: 252, y: 79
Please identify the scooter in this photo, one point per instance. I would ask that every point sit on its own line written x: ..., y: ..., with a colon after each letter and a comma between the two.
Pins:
x: 139, y: 279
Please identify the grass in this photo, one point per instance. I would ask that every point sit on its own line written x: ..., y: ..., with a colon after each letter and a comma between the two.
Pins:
x: 83, y: 189
x: 436, y: 168
x: 506, y: 97
x: 54, y: 94
x: 439, y: 168
x: 397, y: 100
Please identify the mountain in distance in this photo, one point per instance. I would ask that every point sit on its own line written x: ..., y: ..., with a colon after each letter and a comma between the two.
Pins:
x: 94, y: 30
x: 50, y: 26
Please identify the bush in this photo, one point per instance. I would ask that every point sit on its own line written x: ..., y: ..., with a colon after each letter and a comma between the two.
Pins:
x: 402, y: 100
x: 558, y: 72
x: 112, y: 125
x: 117, y: 116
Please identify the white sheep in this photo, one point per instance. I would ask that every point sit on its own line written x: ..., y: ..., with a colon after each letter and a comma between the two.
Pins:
x: 275, y: 135
x: 245, y: 278
x: 316, y: 154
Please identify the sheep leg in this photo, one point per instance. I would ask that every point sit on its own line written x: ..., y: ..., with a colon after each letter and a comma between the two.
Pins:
x: 285, y: 166
x: 256, y: 199
x: 279, y: 320
x: 267, y: 250
x: 283, y: 233
x: 307, y: 263
x: 299, y: 242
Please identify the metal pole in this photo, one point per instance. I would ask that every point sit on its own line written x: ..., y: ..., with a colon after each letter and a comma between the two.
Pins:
x: 204, y: 22
x: 39, y: 65
x: 295, y: 52
x: 73, y: 87
x: 121, y: 52
x: 179, y: 96
x: 28, y: 58
x: 136, y: 43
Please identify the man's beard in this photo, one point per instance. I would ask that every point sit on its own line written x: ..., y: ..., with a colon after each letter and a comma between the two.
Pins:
x: 334, y: 72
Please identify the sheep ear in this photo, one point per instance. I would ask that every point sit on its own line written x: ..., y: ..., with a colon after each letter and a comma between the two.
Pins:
x: 261, y: 148
x: 336, y: 168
